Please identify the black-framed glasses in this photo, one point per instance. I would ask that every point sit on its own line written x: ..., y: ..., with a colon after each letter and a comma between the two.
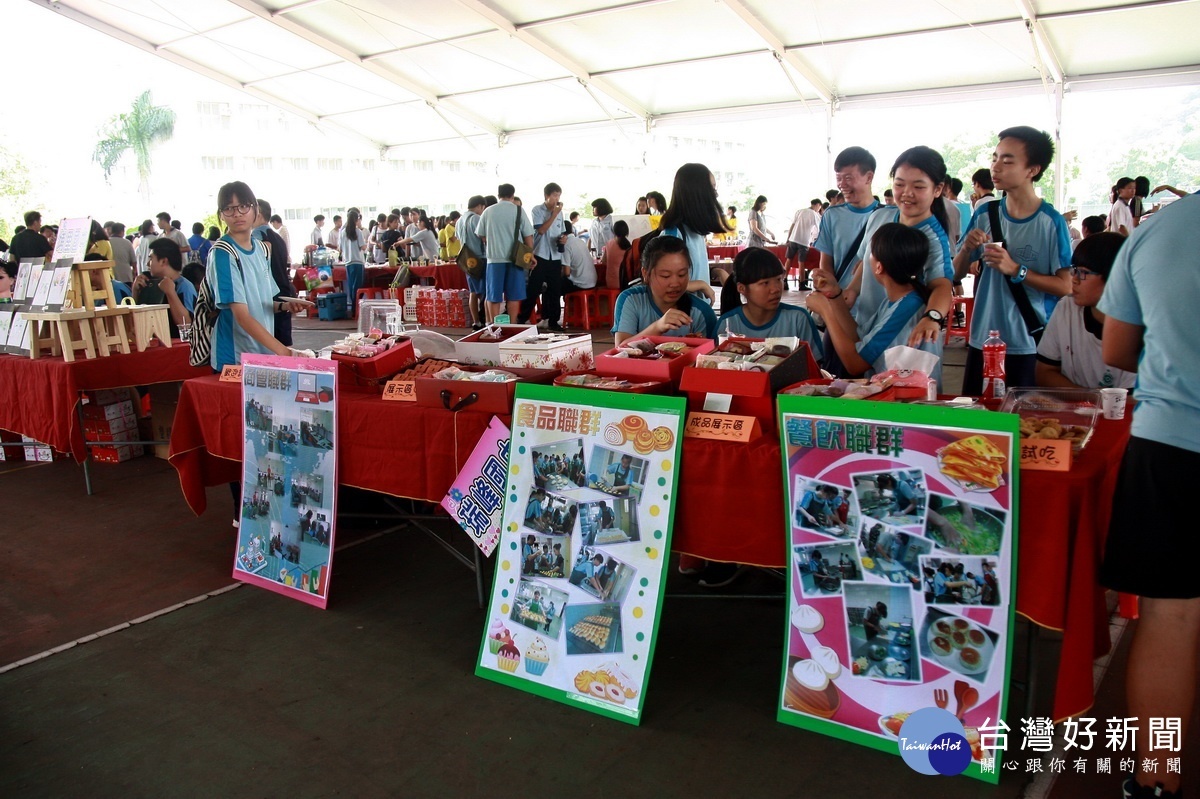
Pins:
x: 1081, y: 274
x: 236, y: 210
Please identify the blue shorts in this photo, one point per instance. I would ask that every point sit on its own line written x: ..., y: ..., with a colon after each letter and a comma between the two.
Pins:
x: 505, y: 282
x: 477, y: 285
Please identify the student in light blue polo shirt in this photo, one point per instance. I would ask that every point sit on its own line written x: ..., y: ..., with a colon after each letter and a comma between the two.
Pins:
x: 662, y: 305
x: 854, y: 170
x: 1035, y: 258
x: 1150, y: 303
x: 898, y: 254
x: 757, y: 279
x: 505, y: 281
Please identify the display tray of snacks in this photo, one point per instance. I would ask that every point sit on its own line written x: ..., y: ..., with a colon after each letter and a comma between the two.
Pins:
x: 483, y: 346
x: 549, y: 351
x: 845, y: 389
x: 1064, y: 414
x: 373, y: 358
x: 751, y: 372
x: 589, y: 379
x: 476, y: 388
x: 659, y: 358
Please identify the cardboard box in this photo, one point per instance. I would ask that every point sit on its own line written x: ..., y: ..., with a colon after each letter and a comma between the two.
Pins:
x: 111, y: 411
x: 93, y: 429
x: 751, y: 393
x: 494, y: 398
x: 165, y: 393
x: 663, y: 369
x: 129, y: 434
x: 486, y: 352
x: 396, y: 359
x: 107, y: 396
x: 40, y: 453
x: 162, y: 418
x: 115, y: 454
x: 566, y: 354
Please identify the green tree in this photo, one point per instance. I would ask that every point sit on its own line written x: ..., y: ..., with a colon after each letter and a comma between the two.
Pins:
x: 14, y: 190
x: 138, y: 131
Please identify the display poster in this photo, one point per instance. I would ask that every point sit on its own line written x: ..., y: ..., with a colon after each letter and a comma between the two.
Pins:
x: 60, y: 283
x: 27, y: 277
x: 7, y: 312
x: 589, y: 502
x: 19, y: 335
x: 71, y: 242
x: 39, y: 287
x: 903, y: 538
x: 476, y: 500
x: 289, y: 477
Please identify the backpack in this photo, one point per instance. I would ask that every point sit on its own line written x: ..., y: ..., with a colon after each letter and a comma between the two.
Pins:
x: 631, y: 261
x: 205, y: 312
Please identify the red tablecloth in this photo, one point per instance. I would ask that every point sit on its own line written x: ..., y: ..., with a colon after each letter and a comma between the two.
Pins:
x: 372, y: 276
x: 730, y: 508
x: 445, y: 276
x: 38, y: 397
x: 396, y: 448
x: 718, y: 251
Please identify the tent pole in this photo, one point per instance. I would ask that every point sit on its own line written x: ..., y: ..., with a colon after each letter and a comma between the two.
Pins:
x: 829, y: 138
x: 1060, y: 188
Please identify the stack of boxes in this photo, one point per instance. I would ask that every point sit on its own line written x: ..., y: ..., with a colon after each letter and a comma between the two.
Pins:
x: 110, y: 423
x: 410, y: 303
x: 11, y: 447
x: 441, y: 307
x: 36, y: 451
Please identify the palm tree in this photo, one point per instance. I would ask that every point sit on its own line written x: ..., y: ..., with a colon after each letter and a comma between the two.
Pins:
x: 138, y: 130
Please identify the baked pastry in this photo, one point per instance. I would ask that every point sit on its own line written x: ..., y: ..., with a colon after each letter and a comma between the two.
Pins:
x: 537, y: 657
x: 822, y: 702
x: 808, y: 619
x: 508, y: 657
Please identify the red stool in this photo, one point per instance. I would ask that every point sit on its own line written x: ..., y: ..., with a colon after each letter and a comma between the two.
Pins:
x: 374, y: 293
x: 581, y: 309
x: 606, y: 306
x: 535, y: 314
x: 968, y: 304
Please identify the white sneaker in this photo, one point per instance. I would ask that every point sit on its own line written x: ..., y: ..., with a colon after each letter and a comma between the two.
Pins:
x: 542, y: 323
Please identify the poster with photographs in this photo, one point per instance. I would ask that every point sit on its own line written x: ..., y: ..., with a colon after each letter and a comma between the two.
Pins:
x: 589, y: 500
x: 289, y: 478
x: 902, y: 532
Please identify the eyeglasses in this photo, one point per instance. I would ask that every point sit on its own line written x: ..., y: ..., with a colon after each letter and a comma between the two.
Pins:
x: 236, y: 210
x: 1081, y: 274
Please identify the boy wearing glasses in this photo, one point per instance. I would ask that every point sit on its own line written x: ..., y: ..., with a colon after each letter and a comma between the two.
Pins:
x: 1069, y: 355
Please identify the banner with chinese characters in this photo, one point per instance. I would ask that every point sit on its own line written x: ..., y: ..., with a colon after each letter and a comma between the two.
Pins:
x: 589, y: 499
x: 289, y: 476
x: 903, y: 537
x: 476, y: 499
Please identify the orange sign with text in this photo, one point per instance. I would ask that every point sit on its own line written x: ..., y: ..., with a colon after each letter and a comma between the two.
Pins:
x: 400, y: 391
x: 722, y: 427
x: 1045, y: 455
x: 231, y: 374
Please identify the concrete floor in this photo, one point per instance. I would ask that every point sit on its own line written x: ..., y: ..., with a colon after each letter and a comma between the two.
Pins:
x: 247, y: 693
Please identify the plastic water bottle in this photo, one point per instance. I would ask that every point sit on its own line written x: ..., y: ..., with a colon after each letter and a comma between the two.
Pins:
x: 994, y: 352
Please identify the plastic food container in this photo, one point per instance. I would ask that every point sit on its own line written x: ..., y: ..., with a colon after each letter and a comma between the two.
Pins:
x: 1055, y: 413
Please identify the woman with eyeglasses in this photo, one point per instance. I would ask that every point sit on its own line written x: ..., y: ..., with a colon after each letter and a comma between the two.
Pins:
x: 241, y: 285
x: 1069, y: 355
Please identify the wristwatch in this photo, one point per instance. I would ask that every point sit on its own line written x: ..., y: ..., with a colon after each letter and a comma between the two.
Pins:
x: 1020, y: 275
x: 936, y: 316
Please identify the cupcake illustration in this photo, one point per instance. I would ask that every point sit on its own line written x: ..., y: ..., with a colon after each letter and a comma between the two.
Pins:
x: 498, y: 635
x: 537, y: 658
x: 508, y: 657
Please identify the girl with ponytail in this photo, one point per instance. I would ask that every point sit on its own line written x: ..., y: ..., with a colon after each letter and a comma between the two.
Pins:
x: 1120, y: 218
x: 751, y: 302
x: 897, y: 257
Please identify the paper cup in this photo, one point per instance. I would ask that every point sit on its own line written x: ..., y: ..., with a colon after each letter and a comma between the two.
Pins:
x: 1112, y: 402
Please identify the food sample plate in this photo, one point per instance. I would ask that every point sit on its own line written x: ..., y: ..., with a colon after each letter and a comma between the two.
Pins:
x: 1066, y: 414
x: 970, y: 654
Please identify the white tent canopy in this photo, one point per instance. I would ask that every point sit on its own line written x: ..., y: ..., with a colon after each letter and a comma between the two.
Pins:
x: 403, y: 73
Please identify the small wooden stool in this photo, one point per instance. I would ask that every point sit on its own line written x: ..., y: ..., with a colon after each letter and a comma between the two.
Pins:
x: 90, y: 282
x: 111, y: 329
x: 73, y: 330
x: 149, y: 322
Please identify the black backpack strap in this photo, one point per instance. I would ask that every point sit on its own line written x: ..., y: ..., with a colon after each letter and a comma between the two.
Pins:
x: 848, y: 258
x: 1033, y: 325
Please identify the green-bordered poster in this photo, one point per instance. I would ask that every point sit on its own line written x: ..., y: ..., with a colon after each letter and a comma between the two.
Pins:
x: 902, y: 541
x: 592, y: 480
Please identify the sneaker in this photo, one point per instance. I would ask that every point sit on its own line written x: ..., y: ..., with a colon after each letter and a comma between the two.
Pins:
x: 477, y: 326
x: 237, y: 524
x: 542, y: 324
x: 555, y: 327
x: 719, y: 575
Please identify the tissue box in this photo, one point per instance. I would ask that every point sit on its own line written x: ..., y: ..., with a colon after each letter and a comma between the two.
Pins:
x: 486, y: 352
x: 667, y: 370
x: 495, y: 398
x: 566, y: 354
x: 753, y: 393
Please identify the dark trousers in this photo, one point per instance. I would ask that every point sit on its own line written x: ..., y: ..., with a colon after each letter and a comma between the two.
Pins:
x: 283, y: 326
x: 1019, y: 370
x: 545, y: 279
